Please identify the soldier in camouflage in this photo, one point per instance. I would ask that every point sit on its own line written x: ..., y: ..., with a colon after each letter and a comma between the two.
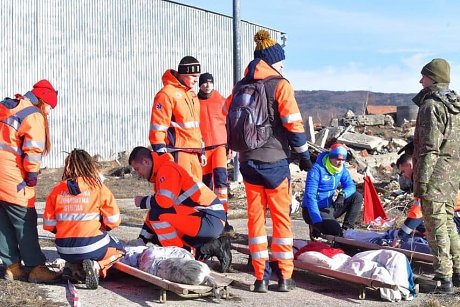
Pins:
x: 437, y: 169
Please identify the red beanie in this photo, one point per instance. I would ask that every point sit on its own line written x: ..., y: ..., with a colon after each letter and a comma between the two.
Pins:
x: 46, y: 92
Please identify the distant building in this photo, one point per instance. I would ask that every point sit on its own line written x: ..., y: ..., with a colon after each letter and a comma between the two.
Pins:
x: 106, y: 59
x: 381, y: 110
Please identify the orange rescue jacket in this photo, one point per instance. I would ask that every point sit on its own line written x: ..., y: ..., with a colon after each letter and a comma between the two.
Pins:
x: 82, y: 215
x: 212, y: 120
x: 175, y: 187
x: 291, y: 131
x: 22, y: 141
x: 174, y: 123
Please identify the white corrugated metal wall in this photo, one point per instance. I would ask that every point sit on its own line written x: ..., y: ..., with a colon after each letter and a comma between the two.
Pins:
x: 106, y: 58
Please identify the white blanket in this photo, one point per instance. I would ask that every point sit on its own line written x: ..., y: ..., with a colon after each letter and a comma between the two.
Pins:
x: 172, y: 263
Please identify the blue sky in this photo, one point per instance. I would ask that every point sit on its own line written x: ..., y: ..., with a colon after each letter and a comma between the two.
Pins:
x: 373, y: 45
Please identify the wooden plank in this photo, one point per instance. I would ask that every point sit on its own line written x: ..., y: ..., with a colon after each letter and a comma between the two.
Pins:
x: 372, y: 246
x: 181, y: 289
x: 369, y: 282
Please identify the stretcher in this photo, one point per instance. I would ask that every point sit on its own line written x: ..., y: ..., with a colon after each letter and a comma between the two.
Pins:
x: 183, y: 290
x: 371, y: 246
x: 364, y: 282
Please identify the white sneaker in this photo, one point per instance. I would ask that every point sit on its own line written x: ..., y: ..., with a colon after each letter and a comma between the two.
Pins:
x: 91, y: 269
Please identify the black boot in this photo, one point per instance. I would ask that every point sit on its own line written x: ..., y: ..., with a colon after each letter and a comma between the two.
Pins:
x: 261, y: 286
x: 456, y: 279
x: 286, y: 285
x: 446, y: 286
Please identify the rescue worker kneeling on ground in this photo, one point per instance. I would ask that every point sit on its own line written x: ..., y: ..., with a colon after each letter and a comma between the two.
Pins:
x: 80, y: 210
x: 319, y: 210
x: 183, y: 212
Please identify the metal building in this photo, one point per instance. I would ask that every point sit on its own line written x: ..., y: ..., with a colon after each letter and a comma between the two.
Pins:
x: 106, y: 58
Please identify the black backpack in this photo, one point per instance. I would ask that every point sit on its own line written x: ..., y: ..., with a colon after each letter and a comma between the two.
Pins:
x: 248, y: 119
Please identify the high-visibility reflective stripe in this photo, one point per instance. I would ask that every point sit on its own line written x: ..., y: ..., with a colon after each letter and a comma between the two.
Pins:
x: 49, y: 222
x: 12, y: 121
x: 260, y: 255
x: 168, y: 194
x: 146, y: 234
x: 282, y: 241
x: 155, y: 127
x: 147, y: 202
x: 162, y: 149
x: 406, y: 229
x: 457, y: 213
x: 160, y: 225
x: 189, y: 192
x: 291, y: 118
x: 257, y: 240
x: 111, y: 219
x: 167, y: 236
x: 186, y: 125
x: 223, y: 199
x: 34, y: 144
x: 220, y: 190
x: 302, y: 148
x: 282, y: 255
x: 34, y: 158
x: 77, y: 216
x: 85, y: 249
x: 215, y: 207
x: 10, y: 148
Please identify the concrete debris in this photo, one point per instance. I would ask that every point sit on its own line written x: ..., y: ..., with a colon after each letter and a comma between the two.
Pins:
x: 368, y: 120
x: 363, y: 141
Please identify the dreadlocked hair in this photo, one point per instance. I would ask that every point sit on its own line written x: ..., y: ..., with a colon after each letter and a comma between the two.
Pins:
x: 80, y: 164
x: 41, y: 106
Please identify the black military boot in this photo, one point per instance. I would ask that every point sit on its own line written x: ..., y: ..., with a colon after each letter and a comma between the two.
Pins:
x: 456, y: 279
x: 446, y: 286
x: 261, y: 286
x: 286, y: 285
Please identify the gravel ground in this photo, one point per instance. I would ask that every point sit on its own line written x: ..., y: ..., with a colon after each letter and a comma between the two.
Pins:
x: 120, y: 289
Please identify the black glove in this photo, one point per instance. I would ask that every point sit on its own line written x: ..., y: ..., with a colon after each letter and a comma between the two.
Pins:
x: 339, y: 201
x: 305, y: 165
x: 31, y: 179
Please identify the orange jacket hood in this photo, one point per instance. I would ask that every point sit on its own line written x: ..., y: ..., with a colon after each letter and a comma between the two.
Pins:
x: 170, y: 78
x: 258, y: 69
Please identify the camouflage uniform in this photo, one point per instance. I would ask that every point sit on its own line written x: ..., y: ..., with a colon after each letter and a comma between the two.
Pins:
x: 437, y: 172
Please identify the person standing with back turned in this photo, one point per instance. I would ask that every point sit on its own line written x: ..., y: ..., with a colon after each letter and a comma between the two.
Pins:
x: 265, y: 169
x: 437, y: 169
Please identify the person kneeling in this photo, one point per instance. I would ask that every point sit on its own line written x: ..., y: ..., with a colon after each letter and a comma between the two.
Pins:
x: 183, y: 212
x: 80, y: 210
x: 319, y: 210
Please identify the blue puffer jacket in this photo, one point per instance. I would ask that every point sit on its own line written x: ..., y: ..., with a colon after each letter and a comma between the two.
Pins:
x: 321, y: 185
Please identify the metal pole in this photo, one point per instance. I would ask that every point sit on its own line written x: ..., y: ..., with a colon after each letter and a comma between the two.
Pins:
x: 236, y: 70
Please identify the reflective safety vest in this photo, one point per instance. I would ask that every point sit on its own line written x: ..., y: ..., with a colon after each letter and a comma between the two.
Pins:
x: 77, y: 220
x: 22, y: 142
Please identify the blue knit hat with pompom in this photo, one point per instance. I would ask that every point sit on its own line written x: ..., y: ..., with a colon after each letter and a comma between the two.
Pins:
x: 267, y: 49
